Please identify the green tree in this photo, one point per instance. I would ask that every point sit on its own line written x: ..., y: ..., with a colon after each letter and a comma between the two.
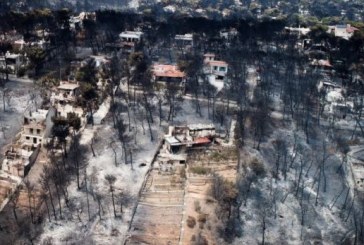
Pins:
x: 87, y: 73
x: 60, y: 130
x: 319, y: 33
x: 36, y: 57
x: 74, y: 121
x: 89, y: 99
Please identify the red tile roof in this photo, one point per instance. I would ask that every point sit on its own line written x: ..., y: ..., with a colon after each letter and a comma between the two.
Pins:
x: 202, y: 140
x: 351, y: 29
x: 324, y: 63
x: 167, y: 71
x: 217, y: 63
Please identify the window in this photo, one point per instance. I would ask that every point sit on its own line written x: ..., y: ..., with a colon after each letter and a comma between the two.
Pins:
x: 27, y: 138
x: 222, y: 68
x: 38, y: 131
x: 31, y: 130
x: 215, y: 68
x: 34, y: 140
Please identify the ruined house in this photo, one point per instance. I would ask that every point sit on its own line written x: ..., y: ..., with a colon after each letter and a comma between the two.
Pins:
x: 36, y: 128
x: 66, y: 92
x: 64, y: 98
x: 12, y: 61
x: 180, y: 138
x: 19, y: 160
x: 185, y: 40
x: 129, y: 39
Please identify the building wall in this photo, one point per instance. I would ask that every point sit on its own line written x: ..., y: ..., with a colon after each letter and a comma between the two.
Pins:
x: 49, y: 123
x: 32, y: 160
x: 35, y: 134
x: 342, y: 33
x: 202, y: 133
x: 130, y: 39
x: 33, y: 140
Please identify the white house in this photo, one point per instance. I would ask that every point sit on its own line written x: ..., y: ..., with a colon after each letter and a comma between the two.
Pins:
x: 214, y: 67
x: 77, y: 20
x: 100, y: 60
x: 129, y: 39
x: 64, y: 97
x: 342, y: 31
x: 184, y: 40
x: 64, y: 110
x: 66, y: 92
x: 37, y: 127
x: 131, y: 36
x: 228, y: 33
x: 12, y: 61
x: 298, y: 30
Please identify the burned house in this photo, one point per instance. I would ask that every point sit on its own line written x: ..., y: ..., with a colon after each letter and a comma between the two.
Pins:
x: 200, y: 131
x: 228, y: 34
x: 180, y: 138
x: 129, y: 39
x: 12, y: 61
x: 323, y: 64
x: 184, y: 41
x: 36, y: 128
x: 22, y: 154
x: 19, y: 160
x: 66, y: 92
x: 64, y: 98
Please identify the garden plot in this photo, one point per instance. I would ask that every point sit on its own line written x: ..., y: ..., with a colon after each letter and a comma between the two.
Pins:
x: 159, y: 212
x: 201, y: 221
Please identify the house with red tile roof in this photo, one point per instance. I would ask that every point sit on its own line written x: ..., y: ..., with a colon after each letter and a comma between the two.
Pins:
x: 343, y: 31
x: 215, y: 67
x: 164, y: 74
